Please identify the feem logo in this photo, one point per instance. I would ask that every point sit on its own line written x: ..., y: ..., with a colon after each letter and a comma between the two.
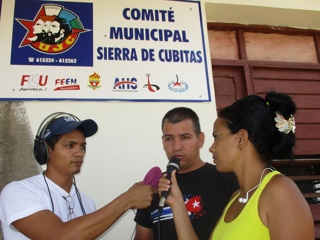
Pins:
x: 66, y: 84
x: 54, y: 30
x: 125, y: 84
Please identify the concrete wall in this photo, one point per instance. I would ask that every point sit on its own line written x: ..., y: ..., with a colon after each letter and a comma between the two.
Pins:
x: 16, y: 141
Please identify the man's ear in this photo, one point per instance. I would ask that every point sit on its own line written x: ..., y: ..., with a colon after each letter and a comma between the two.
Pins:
x: 49, y: 151
x: 201, y: 139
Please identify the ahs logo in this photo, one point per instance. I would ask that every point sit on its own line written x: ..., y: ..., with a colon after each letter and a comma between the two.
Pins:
x: 53, y: 30
x: 125, y: 84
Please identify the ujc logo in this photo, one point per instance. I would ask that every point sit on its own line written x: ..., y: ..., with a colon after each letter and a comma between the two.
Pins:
x: 53, y: 30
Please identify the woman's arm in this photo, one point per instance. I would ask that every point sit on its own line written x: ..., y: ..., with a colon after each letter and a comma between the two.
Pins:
x: 284, y: 210
x: 181, y: 218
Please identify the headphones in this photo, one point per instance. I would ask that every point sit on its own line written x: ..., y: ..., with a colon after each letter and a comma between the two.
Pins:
x: 40, y: 148
x: 245, y: 200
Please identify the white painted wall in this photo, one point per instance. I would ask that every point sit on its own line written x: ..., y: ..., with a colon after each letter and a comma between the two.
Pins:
x: 128, y: 142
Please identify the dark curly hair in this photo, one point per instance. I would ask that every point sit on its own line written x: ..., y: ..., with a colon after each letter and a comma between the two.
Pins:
x: 256, y: 115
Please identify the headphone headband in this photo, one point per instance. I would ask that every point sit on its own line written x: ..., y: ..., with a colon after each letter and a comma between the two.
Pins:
x: 49, y: 119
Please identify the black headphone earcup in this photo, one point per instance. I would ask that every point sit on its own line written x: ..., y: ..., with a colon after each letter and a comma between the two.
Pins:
x: 40, y: 151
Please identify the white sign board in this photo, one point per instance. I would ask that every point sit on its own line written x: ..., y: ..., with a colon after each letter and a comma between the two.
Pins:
x: 103, y: 50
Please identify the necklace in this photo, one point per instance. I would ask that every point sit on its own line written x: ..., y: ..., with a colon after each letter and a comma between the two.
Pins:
x: 77, y: 192
x: 44, y: 176
x: 245, y: 200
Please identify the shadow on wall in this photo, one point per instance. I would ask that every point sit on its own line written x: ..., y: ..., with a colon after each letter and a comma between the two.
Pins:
x: 16, y: 141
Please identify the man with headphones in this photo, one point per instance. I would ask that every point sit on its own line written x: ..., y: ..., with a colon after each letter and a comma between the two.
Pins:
x: 49, y: 205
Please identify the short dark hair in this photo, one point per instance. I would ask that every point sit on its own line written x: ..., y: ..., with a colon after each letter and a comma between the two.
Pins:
x: 256, y: 115
x: 179, y: 114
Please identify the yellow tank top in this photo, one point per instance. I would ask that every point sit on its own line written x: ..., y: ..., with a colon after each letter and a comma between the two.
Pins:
x: 247, y: 226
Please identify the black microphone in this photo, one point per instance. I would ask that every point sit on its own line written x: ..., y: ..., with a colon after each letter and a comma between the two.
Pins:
x: 174, y: 164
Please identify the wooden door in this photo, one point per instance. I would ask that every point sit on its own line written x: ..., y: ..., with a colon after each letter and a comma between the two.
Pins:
x: 228, y: 84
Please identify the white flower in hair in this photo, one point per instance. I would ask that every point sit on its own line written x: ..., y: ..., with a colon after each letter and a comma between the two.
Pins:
x: 283, y: 124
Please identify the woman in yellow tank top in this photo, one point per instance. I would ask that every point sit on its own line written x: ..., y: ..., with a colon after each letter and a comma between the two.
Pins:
x: 268, y: 206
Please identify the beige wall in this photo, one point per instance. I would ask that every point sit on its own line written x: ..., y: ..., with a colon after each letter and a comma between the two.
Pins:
x: 296, y: 13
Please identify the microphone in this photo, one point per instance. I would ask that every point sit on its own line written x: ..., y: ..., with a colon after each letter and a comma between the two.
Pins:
x: 152, y: 177
x: 174, y: 164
